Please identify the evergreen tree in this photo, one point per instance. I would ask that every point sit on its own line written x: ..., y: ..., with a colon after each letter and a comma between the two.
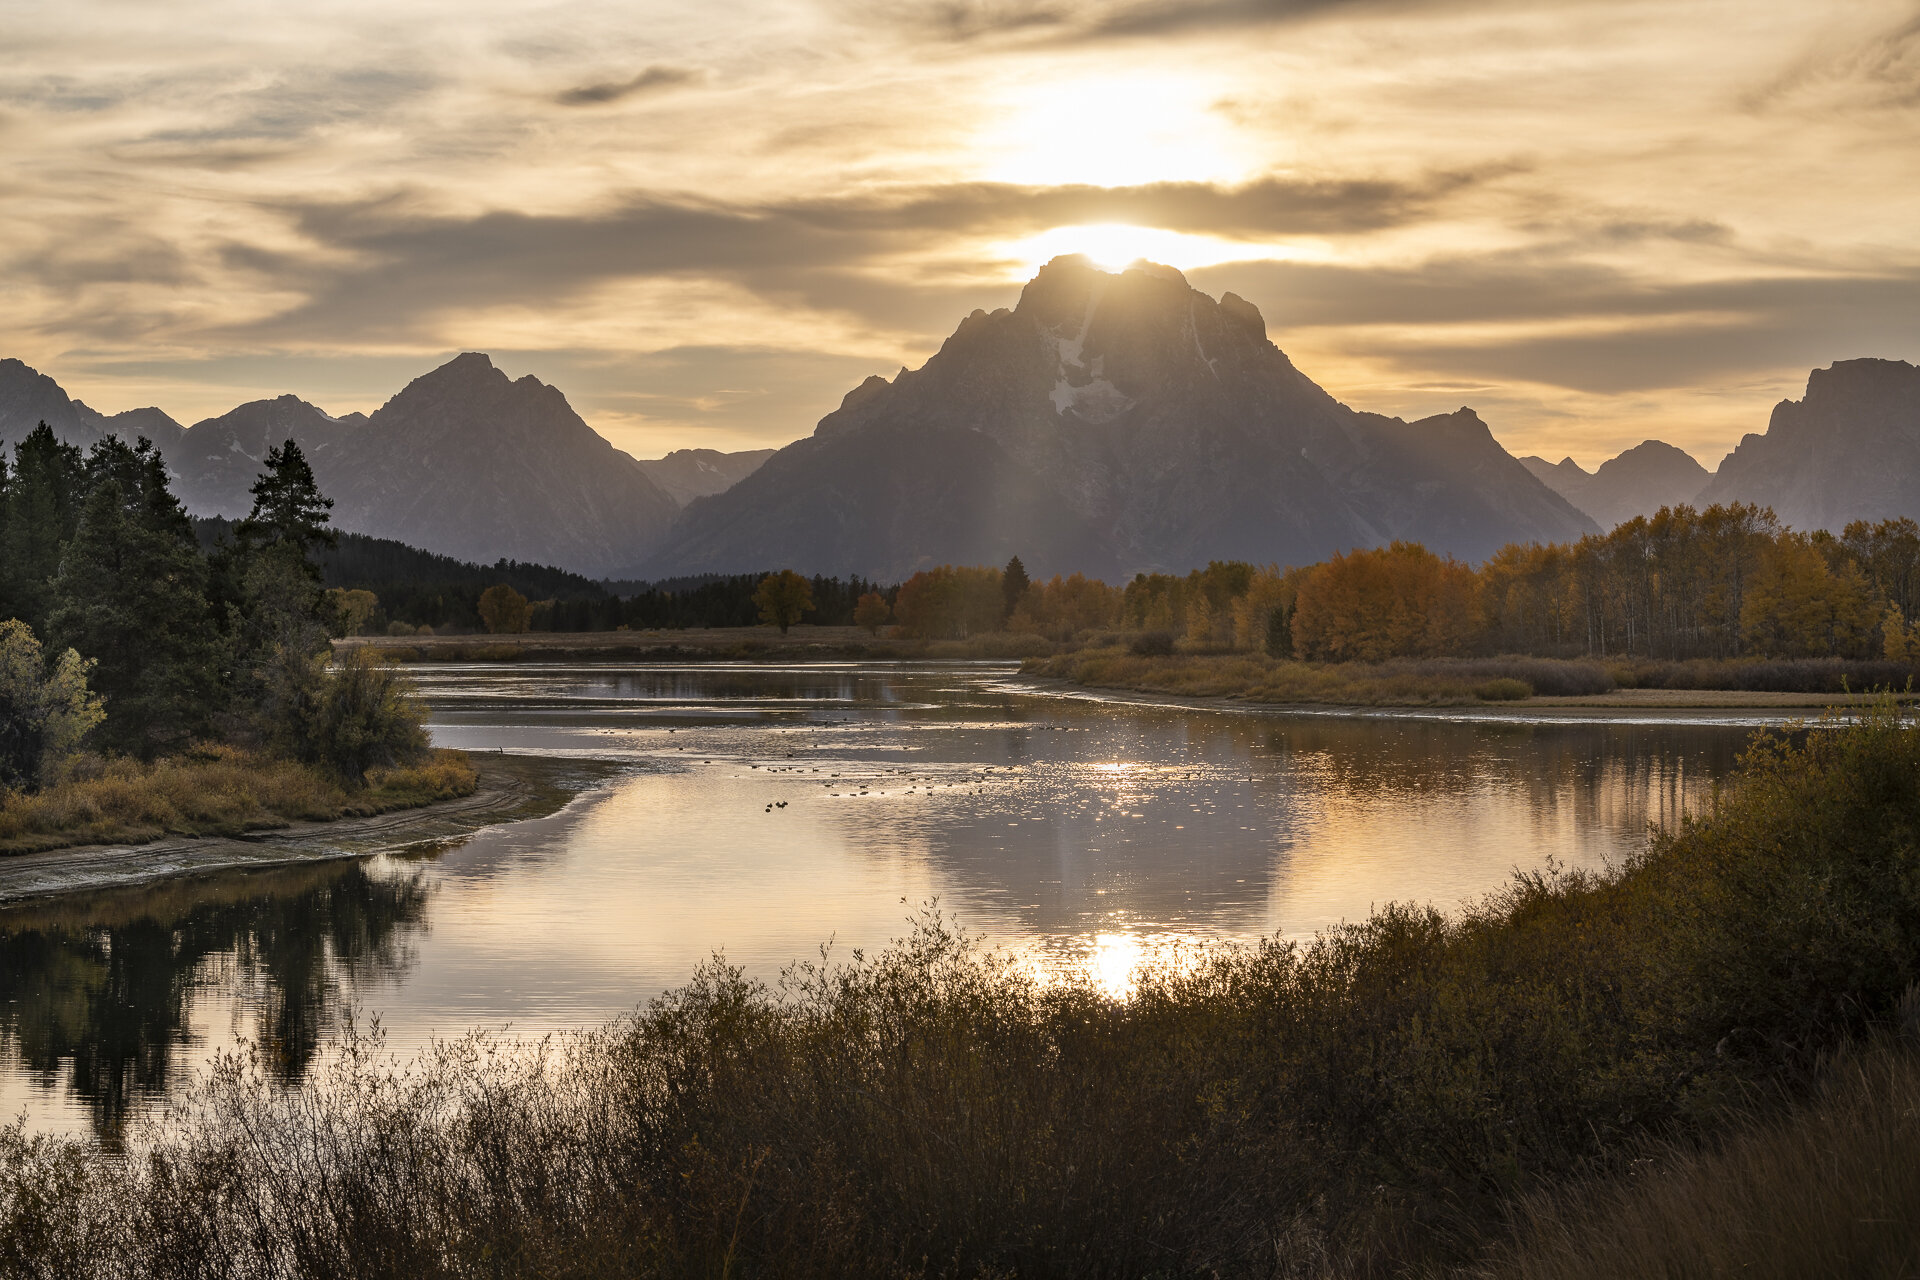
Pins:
x: 131, y: 593
x: 268, y: 584
x: 1013, y: 585
x: 288, y: 513
x: 43, y: 509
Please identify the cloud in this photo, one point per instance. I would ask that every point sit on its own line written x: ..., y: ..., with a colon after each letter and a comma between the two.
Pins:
x: 1055, y: 23
x: 652, y: 80
x: 1583, y: 326
x: 382, y: 264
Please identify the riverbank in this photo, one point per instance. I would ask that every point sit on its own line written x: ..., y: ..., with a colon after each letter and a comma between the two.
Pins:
x: 709, y: 644
x: 505, y: 789
x: 1513, y: 683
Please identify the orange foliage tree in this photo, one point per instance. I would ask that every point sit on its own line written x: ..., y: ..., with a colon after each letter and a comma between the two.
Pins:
x: 950, y: 602
x: 1398, y: 601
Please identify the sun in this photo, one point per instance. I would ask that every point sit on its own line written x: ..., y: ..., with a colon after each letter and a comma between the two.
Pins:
x: 1114, y: 246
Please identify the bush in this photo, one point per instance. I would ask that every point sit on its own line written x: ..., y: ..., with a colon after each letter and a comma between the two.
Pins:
x: 1504, y: 689
x: 44, y: 714
x: 1153, y: 644
x: 355, y: 715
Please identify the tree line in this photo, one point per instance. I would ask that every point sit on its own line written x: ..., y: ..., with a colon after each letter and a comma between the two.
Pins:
x: 1722, y: 582
x: 120, y: 628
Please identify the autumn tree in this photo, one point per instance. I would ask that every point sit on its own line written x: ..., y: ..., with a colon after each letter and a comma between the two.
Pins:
x: 872, y: 612
x: 1064, y: 607
x: 44, y: 712
x: 351, y: 609
x: 1802, y: 606
x: 504, y: 610
x: 1396, y: 601
x: 783, y: 598
x: 950, y: 602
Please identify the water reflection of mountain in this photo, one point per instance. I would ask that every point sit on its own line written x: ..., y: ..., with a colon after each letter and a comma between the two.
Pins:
x: 99, y: 989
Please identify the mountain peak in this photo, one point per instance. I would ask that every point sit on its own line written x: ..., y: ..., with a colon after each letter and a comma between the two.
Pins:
x: 1111, y: 423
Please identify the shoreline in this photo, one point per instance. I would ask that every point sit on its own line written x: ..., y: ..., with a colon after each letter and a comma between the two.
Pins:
x: 512, y: 788
x: 1597, y: 707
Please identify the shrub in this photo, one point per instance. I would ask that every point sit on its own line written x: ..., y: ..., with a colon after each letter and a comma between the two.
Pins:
x: 352, y: 716
x: 44, y: 714
x: 1503, y: 689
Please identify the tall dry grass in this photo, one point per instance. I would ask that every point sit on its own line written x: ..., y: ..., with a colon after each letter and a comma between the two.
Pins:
x: 1828, y: 1189
x: 214, y: 790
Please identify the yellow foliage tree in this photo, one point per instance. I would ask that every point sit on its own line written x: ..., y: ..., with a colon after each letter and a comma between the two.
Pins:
x: 783, y: 598
x: 504, y: 610
x: 872, y: 611
x: 1799, y: 605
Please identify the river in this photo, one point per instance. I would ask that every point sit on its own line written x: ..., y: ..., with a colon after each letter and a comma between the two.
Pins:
x: 762, y: 812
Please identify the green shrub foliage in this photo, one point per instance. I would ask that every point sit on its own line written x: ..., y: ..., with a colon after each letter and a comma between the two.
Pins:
x: 45, y: 711
x: 355, y: 715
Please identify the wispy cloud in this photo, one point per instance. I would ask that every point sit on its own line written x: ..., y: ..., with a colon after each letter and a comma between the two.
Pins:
x: 651, y: 80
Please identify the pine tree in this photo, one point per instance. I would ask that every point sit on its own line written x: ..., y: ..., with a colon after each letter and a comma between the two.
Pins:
x: 44, y: 496
x: 131, y: 594
x: 288, y: 512
x: 1013, y: 585
x: 267, y: 583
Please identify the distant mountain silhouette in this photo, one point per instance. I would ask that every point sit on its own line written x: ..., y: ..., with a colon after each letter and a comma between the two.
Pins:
x: 464, y: 462
x: 218, y: 459
x: 1112, y: 423
x: 29, y: 397
x: 467, y: 462
x: 1850, y: 450
x: 1651, y: 475
x: 686, y: 474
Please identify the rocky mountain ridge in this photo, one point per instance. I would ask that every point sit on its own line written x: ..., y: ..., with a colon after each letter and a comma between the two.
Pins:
x: 1637, y: 482
x: 1112, y: 423
x: 1848, y: 450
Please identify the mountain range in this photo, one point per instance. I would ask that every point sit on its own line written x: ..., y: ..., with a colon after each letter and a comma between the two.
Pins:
x: 1651, y: 475
x: 1109, y: 423
x: 1112, y: 423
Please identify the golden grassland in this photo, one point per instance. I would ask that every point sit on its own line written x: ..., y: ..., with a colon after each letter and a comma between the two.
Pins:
x: 211, y: 791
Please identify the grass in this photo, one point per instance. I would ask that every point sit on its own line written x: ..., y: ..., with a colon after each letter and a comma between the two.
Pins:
x: 1449, y: 681
x: 1256, y: 678
x: 212, y: 791
x: 1828, y: 1189
x: 1411, y: 1093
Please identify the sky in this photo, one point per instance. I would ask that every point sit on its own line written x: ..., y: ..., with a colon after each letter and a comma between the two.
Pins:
x: 1594, y: 221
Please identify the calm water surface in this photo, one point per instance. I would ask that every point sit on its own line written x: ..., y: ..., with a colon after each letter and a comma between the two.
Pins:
x: 763, y: 811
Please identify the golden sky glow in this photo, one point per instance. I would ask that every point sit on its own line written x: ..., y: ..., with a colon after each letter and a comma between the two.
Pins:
x: 1594, y: 222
